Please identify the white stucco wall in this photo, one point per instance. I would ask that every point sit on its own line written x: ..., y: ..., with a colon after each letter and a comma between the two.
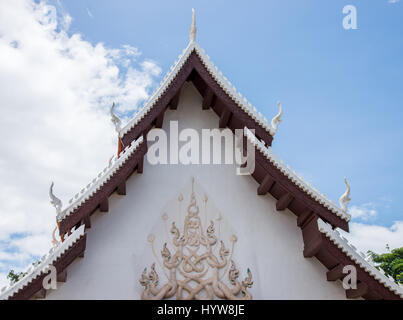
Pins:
x: 269, y: 242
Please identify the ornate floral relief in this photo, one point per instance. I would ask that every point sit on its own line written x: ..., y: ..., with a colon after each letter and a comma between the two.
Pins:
x: 192, y: 262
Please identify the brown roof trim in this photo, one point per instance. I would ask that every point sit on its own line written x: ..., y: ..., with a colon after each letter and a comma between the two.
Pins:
x: 282, y: 188
x: 269, y: 177
x: 116, y: 182
x: 61, y: 264
x: 194, y: 63
x: 333, y: 258
x: 219, y: 100
x: 235, y: 118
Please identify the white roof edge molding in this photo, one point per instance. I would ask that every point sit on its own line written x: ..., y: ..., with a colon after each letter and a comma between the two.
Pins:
x: 294, y: 177
x: 222, y: 81
x: 35, y: 271
x: 115, y: 163
x: 358, y: 258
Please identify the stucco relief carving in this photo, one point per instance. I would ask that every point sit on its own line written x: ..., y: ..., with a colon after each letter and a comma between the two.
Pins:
x: 195, y: 261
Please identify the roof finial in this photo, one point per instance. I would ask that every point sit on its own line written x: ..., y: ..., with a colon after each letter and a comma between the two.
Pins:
x: 54, y: 240
x: 55, y: 201
x: 345, y: 198
x: 192, y: 34
x: 115, y: 120
x: 277, y: 119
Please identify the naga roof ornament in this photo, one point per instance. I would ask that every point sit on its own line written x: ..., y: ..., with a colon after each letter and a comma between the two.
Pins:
x: 55, y: 201
x: 55, y: 243
x: 115, y: 119
x: 345, y: 198
x: 277, y: 118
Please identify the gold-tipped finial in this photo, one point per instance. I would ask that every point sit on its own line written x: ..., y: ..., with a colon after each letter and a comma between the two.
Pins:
x: 192, y: 34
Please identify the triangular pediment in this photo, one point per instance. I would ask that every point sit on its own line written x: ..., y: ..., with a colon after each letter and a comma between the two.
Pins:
x: 269, y: 213
x: 194, y: 65
x: 282, y: 189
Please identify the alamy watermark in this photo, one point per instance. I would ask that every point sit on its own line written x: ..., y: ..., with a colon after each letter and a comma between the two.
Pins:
x: 206, y: 146
x: 350, y: 20
x: 350, y: 280
x: 50, y: 280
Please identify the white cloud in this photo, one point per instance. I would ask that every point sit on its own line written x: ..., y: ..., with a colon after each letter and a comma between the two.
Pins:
x: 374, y: 237
x: 363, y: 212
x: 365, y: 236
x: 393, y: 1
x: 55, y: 92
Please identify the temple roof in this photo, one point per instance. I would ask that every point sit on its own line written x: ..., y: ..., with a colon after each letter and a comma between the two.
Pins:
x: 317, y: 215
x: 295, y: 178
x: 142, y: 120
x: 36, y: 272
x: 103, y: 177
x: 222, y: 81
x: 359, y: 258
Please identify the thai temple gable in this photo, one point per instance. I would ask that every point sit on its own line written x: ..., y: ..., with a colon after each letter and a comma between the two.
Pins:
x: 251, y: 232
x: 220, y: 95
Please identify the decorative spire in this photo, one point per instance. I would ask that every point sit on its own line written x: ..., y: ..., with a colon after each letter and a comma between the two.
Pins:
x: 192, y: 34
x: 345, y: 198
x: 55, y: 201
x: 115, y: 120
x: 277, y: 119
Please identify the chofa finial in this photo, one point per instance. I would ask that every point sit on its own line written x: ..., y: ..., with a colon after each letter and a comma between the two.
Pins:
x: 192, y: 34
x: 277, y: 119
x: 54, y: 240
x: 115, y: 120
x: 55, y: 201
x: 345, y: 198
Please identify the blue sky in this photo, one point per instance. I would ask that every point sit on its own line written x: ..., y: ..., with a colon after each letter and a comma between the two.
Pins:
x: 341, y: 89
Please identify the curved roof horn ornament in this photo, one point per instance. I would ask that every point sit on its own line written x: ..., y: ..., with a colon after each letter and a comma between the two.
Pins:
x: 345, y: 198
x: 192, y: 34
x: 277, y: 118
x: 55, y: 201
x: 54, y: 240
x: 115, y: 119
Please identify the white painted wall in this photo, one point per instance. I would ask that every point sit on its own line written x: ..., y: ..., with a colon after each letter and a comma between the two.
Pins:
x: 269, y: 242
